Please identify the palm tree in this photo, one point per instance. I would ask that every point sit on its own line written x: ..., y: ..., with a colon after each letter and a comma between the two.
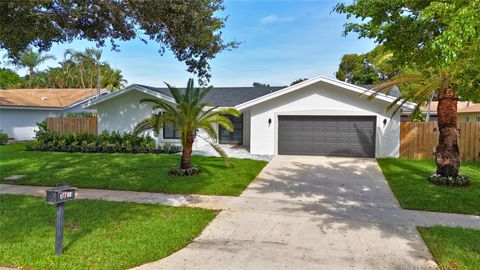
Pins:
x: 421, y: 87
x: 189, y: 114
x: 30, y: 59
x: 112, y: 79
x: 78, y: 59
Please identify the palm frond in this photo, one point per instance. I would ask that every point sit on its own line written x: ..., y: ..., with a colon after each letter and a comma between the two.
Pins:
x: 220, y: 151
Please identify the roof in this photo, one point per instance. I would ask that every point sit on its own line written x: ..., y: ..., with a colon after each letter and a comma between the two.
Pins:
x: 244, y: 97
x: 226, y: 96
x: 462, y: 107
x: 354, y: 88
x: 47, y: 98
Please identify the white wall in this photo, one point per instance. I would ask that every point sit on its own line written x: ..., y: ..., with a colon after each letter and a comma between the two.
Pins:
x: 321, y: 99
x: 124, y: 112
x: 21, y: 124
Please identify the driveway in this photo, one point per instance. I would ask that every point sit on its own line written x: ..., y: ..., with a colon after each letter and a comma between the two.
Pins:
x: 306, y: 212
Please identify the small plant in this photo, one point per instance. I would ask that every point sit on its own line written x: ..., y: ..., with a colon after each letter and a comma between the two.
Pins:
x: 184, y: 172
x: 3, y: 138
x: 459, y: 181
x: 80, y: 114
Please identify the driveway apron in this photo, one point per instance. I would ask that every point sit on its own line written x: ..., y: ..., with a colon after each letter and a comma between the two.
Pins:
x: 313, y: 213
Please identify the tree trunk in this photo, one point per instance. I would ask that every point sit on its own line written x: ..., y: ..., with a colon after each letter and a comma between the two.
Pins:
x: 186, y: 160
x: 447, y: 155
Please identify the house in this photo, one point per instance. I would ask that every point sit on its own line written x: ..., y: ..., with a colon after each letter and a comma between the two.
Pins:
x: 466, y: 111
x: 21, y: 109
x: 319, y: 116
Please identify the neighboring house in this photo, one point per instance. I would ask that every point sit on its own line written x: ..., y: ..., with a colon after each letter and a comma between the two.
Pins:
x: 467, y: 112
x: 320, y: 116
x: 21, y: 109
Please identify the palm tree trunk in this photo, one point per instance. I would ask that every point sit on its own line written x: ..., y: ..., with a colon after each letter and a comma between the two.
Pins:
x: 186, y: 160
x: 447, y: 155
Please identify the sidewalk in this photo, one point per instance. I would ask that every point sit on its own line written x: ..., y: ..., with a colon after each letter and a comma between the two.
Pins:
x: 390, y: 215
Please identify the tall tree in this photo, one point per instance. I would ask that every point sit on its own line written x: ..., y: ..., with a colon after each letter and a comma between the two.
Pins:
x: 368, y: 68
x: 190, y: 29
x: 189, y: 114
x: 438, y: 39
x: 9, y: 79
x: 298, y: 81
x: 258, y: 84
x: 31, y: 59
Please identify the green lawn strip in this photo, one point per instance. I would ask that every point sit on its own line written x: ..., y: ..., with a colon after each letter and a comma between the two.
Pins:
x: 98, y: 234
x: 138, y: 172
x: 453, y: 248
x: 408, y: 181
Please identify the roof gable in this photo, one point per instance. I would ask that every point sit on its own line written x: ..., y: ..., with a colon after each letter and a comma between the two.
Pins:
x: 344, y: 85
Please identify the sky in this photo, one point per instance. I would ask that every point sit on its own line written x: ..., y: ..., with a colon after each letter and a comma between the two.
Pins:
x: 281, y: 41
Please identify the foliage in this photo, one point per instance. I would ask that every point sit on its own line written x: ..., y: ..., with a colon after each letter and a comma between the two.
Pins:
x: 105, y: 142
x: 3, y: 138
x: 408, y: 180
x: 189, y: 114
x: 115, y: 171
x: 79, y: 69
x: 81, y: 114
x: 30, y: 60
x: 453, y: 248
x: 298, y: 81
x: 368, y: 68
x: 98, y: 234
x: 190, y: 29
x: 184, y: 172
x: 439, y: 40
x: 459, y: 181
x: 9, y: 79
x: 257, y: 84
x: 437, y: 44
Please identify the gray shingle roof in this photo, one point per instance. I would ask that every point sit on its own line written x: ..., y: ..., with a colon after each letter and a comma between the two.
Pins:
x: 227, y: 96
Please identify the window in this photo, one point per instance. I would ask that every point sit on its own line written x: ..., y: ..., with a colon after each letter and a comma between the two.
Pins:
x: 467, y: 118
x: 478, y: 119
x: 170, y: 131
x: 235, y: 137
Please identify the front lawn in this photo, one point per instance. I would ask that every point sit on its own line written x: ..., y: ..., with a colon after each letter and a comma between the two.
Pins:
x: 98, y: 234
x: 139, y: 172
x: 408, y: 181
x: 453, y: 248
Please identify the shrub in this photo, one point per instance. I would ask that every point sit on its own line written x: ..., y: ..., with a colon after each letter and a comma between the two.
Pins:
x: 86, y: 142
x: 80, y: 114
x: 184, y: 172
x: 3, y: 138
x: 459, y: 181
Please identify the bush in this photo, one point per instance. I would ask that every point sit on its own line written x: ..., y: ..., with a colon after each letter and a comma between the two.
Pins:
x: 86, y: 142
x: 80, y: 114
x: 3, y: 138
x: 184, y: 172
x: 459, y: 181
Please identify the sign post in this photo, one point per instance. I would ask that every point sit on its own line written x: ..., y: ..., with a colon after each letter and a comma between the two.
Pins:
x: 58, y: 196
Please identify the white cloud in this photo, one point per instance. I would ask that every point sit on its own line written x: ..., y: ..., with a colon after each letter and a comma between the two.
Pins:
x: 274, y: 18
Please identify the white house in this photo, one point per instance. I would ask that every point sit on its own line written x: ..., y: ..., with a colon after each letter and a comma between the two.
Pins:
x: 22, y: 109
x: 320, y: 116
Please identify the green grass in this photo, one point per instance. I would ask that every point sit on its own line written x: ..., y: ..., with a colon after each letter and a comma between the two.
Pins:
x: 408, y: 181
x: 98, y: 234
x: 453, y: 248
x: 139, y: 172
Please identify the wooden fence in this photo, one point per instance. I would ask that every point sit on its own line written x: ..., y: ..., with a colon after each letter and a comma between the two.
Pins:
x: 419, y: 139
x: 72, y: 125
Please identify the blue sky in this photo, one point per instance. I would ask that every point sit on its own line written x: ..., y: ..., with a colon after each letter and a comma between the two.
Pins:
x: 281, y: 41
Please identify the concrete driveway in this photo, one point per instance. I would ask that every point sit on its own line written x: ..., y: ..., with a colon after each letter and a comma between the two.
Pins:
x: 306, y: 212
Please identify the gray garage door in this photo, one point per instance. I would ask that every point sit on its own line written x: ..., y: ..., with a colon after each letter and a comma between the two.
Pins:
x: 351, y: 136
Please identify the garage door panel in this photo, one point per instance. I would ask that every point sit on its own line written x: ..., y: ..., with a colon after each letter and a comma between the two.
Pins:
x: 327, y: 135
